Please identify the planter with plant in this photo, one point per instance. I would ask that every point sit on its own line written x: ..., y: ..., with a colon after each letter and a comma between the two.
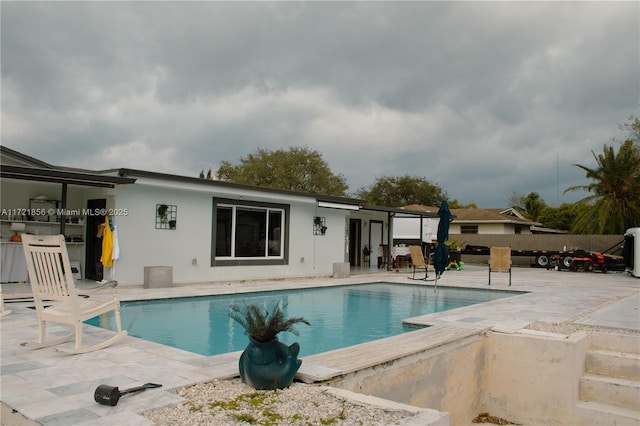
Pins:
x: 163, y: 211
x: 267, y: 363
x: 366, y: 253
x: 319, y: 225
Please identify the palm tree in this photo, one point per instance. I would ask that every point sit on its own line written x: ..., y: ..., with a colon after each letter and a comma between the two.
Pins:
x: 614, y: 203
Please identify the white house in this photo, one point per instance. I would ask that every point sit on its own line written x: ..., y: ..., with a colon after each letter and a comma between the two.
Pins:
x: 205, y: 230
x: 491, y: 221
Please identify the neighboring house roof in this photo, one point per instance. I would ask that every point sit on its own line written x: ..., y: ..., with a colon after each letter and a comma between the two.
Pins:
x: 540, y: 230
x: 421, y: 208
x: 477, y: 216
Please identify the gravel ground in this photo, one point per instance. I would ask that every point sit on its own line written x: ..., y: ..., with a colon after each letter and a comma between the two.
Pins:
x: 231, y: 402
x: 569, y: 328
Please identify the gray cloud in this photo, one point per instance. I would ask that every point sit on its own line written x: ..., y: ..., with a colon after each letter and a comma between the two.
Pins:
x: 483, y: 98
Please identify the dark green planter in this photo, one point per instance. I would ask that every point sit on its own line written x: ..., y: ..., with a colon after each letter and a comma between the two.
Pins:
x: 455, y: 255
x: 269, y: 365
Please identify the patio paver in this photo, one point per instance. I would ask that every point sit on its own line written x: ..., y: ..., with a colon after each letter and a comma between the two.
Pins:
x: 53, y: 388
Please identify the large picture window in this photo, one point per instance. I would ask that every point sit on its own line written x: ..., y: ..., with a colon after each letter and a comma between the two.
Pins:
x: 248, y: 233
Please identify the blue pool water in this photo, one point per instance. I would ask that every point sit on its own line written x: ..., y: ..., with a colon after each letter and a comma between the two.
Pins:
x: 340, y: 316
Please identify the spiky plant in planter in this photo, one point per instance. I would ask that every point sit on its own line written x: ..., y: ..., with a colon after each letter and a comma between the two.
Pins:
x: 263, y: 325
x: 267, y: 363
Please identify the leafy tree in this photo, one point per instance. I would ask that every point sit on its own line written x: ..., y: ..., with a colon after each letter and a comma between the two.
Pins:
x: 455, y: 204
x: 615, y: 190
x: 535, y: 208
x: 534, y: 205
x: 401, y: 191
x: 209, y: 176
x: 633, y: 127
x: 518, y: 201
x: 296, y: 169
x: 530, y: 205
x: 560, y: 217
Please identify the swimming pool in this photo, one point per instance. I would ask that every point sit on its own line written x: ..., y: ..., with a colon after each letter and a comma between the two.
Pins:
x: 340, y: 316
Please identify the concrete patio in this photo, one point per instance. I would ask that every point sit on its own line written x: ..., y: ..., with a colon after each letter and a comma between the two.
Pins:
x: 53, y: 388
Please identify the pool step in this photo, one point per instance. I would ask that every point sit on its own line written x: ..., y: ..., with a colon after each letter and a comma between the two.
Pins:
x: 609, y: 389
x: 595, y: 413
x: 613, y: 364
x: 625, y: 343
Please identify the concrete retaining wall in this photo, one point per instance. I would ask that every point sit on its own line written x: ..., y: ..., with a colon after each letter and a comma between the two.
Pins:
x: 447, y: 378
x: 533, y: 380
x: 529, y: 379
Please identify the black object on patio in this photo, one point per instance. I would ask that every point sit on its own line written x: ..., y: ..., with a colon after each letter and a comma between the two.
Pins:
x: 110, y: 395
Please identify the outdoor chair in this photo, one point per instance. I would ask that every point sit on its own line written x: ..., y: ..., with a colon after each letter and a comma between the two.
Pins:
x: 55, y: 295
x: 418, y: 262
x: 384, y: 260
x: 500, y: 261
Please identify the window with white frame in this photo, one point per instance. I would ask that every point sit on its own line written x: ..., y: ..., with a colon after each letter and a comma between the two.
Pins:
x: 249, y: 233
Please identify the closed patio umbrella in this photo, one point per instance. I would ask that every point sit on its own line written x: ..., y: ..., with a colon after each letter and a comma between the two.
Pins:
x: 441, y: 254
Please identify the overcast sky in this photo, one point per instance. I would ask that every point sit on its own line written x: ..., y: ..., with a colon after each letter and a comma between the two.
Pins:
x: 484, y: 99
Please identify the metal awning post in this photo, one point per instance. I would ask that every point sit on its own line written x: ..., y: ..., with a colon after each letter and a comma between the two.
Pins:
x: 63, y: 208
x: 389, y: 239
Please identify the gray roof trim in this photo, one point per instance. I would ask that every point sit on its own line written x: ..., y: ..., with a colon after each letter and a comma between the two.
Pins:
x: 62, y: 176
x: 125, y: 172
x: 240, y: 186
x: 400, y: 212
x: 24, y: 157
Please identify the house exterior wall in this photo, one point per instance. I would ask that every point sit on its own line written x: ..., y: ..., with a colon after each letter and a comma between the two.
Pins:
x: 188, y: 248
x: 142, y: 245
x: 488, y: 228
x: 495, y: 228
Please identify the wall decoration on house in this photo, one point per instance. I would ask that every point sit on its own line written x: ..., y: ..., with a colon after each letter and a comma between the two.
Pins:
x: 319, y: 225
x: 166, y: 216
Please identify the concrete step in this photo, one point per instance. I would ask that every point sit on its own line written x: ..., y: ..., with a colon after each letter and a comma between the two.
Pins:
x: 613, y: 364
x: 610, y: 390
x: 598, y: 414
x: 625, y: 343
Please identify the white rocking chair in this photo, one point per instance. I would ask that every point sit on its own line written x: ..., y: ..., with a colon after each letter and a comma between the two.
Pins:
x: 52, y: 280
